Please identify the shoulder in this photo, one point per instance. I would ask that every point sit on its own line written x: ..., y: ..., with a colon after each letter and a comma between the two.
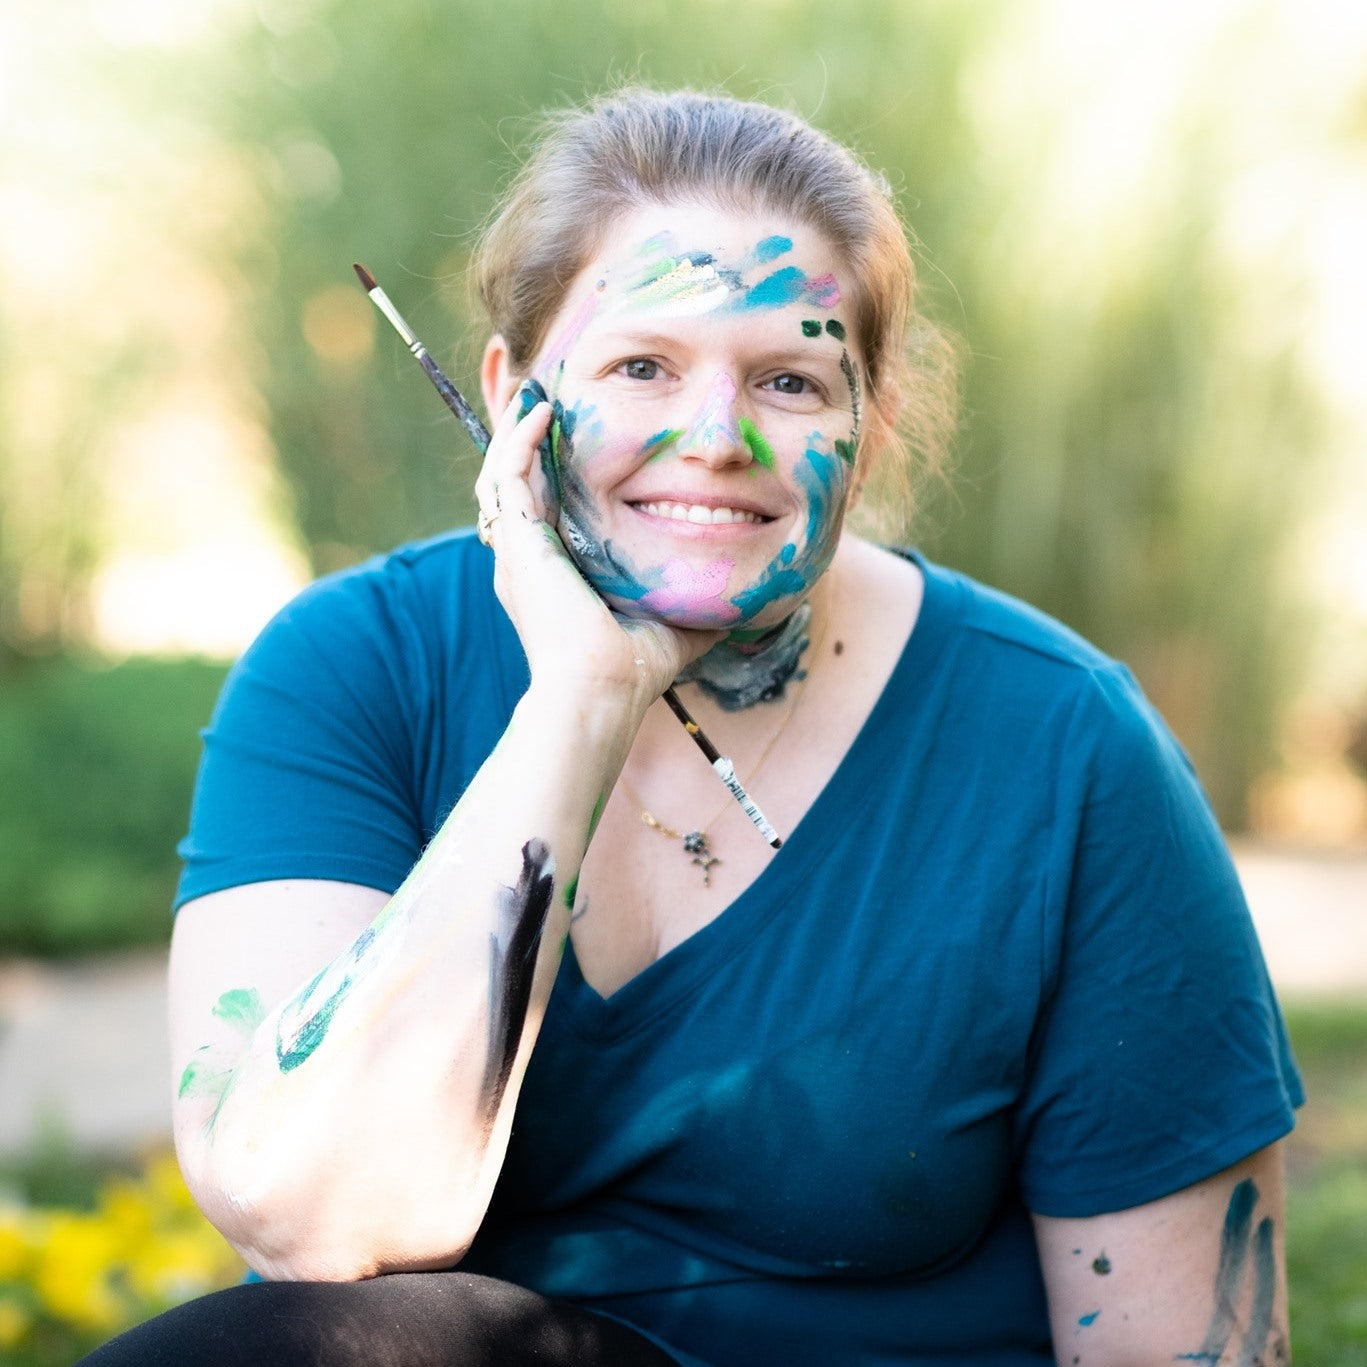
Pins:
x: 1001, y: 649
x: 387, y: 639
x: 994, y: 619
x: 404, y: 604
x: 428, y: 577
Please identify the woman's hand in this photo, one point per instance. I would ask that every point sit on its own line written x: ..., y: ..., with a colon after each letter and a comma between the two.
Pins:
x: 572, y: 639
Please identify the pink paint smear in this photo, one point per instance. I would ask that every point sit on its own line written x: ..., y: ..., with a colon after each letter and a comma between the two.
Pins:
x: 694, y: 590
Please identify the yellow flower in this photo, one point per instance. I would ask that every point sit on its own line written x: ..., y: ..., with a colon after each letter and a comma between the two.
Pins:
x: 167, y: 1187
x: 144, y: 1248
x: 72, y: 1276
x: 182, y: 1264
x: 14, y: 1244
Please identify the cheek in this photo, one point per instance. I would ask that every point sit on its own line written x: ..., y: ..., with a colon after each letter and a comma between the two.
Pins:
x: 592, y: 439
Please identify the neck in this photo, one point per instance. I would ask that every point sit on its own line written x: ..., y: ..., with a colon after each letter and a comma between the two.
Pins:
x: 737, y: 674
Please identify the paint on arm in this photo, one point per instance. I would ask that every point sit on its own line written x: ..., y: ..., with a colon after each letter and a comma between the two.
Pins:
x: 307, y: 1017
x: 1238, y: 1240
x: 209, y: 1073
x: 513, y: 949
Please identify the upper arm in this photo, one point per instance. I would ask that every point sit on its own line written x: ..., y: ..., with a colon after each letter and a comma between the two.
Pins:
x: 1196, y: 1277
x: 235, y: 956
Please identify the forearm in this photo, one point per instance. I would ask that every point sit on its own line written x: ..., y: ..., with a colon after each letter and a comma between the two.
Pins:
x: 360, y: 1126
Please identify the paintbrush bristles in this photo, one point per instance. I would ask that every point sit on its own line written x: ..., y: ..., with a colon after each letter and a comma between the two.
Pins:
x: 365, y: 276
x: 382, y: 302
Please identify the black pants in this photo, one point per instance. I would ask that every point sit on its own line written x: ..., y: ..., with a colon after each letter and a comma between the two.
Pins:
x: 410, y: 1319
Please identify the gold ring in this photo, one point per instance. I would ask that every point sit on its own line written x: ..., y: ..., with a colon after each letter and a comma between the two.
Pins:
x: 483, y: 525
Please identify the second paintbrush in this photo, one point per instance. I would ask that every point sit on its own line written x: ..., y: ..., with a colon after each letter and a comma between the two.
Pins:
x: 479, y: 434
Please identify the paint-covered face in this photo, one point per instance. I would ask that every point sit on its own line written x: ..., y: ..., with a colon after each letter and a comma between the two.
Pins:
x: 705, y: 377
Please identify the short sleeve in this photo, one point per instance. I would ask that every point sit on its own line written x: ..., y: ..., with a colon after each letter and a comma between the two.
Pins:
x: 1160, y: 1056
x: 329, y: 754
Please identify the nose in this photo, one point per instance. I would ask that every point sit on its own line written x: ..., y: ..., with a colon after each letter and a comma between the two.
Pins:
x: 714, y: 434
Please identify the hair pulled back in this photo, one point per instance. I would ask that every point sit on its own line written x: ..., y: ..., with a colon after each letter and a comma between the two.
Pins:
x: 638, y: 146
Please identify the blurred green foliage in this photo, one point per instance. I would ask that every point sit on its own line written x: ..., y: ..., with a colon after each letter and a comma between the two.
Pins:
x: 1326, y: 1228
x: 96, y: 772
x: 1127, y: 438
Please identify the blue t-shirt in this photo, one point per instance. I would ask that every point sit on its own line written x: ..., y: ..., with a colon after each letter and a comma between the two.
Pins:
x: 1002, y: 965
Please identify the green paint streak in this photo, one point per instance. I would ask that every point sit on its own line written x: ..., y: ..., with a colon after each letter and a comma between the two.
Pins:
x: 811, y: 327
x: 597, y: 813
x: 754, y: 439
x: 241, y: 1008
x: 300, y: 1046
x: 845, y: 450
x: 202, y: 1077
x: 572, y: 890
x: 836, y: 329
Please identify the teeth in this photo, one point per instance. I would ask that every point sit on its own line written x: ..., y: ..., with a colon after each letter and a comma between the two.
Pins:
x: 698, y: 512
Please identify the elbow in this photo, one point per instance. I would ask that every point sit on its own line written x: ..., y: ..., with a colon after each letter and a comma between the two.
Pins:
x: 325, y: 1226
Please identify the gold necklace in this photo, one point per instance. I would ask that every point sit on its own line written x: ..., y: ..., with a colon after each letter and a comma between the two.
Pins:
x: 697, y: 843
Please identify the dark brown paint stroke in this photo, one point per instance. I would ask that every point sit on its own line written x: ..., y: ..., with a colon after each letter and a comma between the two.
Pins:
x: 512, y: 965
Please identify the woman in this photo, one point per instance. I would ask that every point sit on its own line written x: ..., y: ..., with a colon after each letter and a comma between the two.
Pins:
x: 982, y: 1067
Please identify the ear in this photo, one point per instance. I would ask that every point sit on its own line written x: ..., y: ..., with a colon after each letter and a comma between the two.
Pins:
x: 496, y: 378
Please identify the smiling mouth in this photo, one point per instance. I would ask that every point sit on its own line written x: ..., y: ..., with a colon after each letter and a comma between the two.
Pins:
x: 699, y: 513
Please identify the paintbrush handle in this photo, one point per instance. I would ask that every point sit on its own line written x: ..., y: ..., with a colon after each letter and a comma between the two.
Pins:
x: 725, y: 770
x: 455, y: 400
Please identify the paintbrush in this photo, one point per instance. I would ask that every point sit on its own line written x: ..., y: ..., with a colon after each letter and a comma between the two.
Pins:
x: 479, y: 434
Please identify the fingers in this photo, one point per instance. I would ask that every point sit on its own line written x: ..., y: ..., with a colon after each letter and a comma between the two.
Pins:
x: 503, y: 489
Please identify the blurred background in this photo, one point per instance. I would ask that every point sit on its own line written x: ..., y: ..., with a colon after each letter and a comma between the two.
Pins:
x: 1147, y: 222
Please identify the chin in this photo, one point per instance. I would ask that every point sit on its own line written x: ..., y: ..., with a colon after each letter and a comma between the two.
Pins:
x: 710, y: 618
x: 686, y: 617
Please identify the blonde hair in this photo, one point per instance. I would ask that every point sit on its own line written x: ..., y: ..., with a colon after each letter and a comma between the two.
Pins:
x: 638, y: 146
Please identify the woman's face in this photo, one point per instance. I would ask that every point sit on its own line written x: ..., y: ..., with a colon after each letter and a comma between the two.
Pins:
x: 705, y: 375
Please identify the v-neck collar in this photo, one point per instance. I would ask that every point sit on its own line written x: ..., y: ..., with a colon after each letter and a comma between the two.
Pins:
x: 846, y: 797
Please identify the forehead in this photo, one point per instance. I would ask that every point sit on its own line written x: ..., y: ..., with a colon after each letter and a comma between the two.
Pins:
x: 686, y: 259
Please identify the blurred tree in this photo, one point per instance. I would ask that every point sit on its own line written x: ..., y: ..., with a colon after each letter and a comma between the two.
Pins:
x: 1139, y: 430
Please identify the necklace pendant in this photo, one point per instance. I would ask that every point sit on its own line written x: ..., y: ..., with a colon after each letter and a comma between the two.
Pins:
x: 705, y: 862
x: 695, y: 843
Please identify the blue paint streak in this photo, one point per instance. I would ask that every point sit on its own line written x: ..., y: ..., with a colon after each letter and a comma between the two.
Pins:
x: 613, y: 579
x: 660, y: 437
x: 1234, y: 1247
x: 1089, y: 1319
x: 776, y: 582
x: 823, y: 477
x: 772, y: 247
x: 1264, y: 1295
x: 782, y: 287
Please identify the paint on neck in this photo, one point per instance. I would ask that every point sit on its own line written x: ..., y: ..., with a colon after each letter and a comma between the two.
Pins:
x: 737, y: 675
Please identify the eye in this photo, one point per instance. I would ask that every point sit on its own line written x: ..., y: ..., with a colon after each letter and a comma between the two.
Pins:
x: 789, y: 383
x: 640, y: 368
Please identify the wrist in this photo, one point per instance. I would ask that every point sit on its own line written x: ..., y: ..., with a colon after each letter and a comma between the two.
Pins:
x: 593, y: 711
